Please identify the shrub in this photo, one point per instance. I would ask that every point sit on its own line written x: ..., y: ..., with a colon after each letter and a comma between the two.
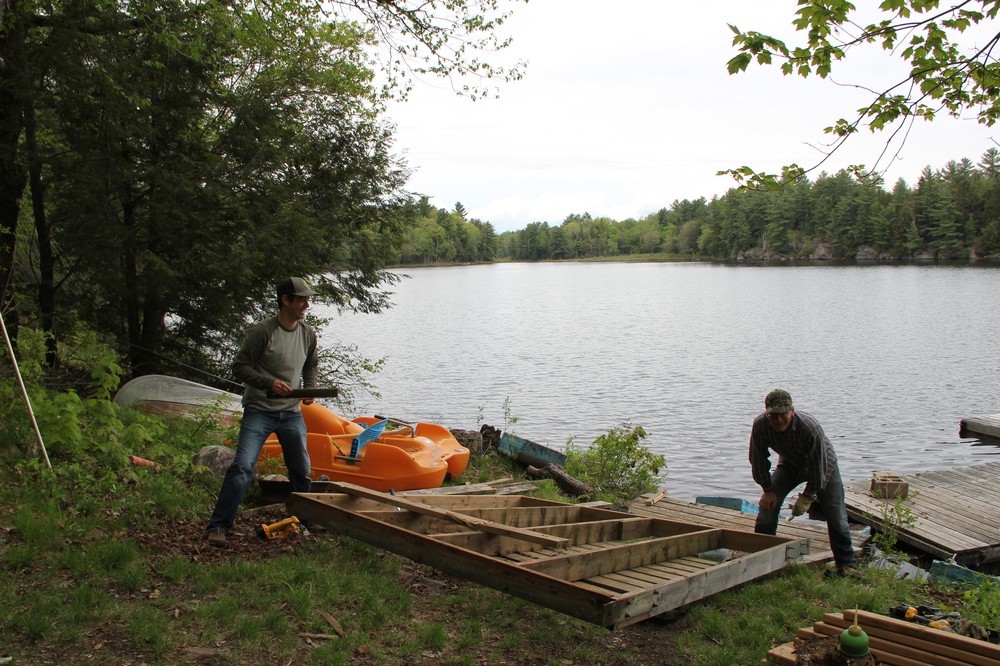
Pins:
x: 617, y: 465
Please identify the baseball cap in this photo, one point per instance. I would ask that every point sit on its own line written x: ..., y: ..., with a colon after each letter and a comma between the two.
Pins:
x: 295, y: 286
x: 777, y: 401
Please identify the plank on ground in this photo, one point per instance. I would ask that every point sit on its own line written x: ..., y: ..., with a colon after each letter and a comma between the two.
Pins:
x: 898, y: 643
x: 936, y: 636
x: 889, y: 647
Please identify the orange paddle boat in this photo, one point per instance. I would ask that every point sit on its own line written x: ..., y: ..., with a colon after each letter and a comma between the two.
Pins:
x: 381, y: 454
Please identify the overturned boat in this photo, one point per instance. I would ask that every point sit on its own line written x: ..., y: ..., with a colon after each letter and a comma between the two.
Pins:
x: 381, y: 454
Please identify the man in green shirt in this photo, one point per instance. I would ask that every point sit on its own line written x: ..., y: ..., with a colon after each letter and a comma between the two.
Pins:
x: 278, y: 356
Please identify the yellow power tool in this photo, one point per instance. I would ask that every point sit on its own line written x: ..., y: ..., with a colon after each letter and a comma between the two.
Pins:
x: 281, y: 529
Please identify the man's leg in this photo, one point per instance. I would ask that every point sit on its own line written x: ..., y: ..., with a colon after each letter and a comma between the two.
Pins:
x: 291, y: 433
x: 831, y: 498
x: 784, y: 478
x: 254, y: 429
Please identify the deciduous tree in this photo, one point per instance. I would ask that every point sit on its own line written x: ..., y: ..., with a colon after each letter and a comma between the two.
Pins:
x: 948, y: 52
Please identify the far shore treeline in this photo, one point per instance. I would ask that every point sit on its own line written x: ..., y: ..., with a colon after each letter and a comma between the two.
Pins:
x: 950, y: 213
x: 164, y: 165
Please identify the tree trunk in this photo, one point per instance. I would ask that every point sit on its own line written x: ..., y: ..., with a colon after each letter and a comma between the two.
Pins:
x: 567, y: 483
x: 46, y: 261
x: 12, y: 174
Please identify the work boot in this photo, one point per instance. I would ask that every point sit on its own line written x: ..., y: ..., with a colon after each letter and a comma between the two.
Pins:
x: 217, y: 537
x: 843, y: 571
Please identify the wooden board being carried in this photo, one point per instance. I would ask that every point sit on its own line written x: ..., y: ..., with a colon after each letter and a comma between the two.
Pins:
x: 605, y: 567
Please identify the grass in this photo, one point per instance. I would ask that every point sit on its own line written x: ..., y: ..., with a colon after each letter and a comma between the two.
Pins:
x: 74, y: 580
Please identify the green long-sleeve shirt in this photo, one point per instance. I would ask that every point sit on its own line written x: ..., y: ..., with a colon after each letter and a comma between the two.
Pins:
x: 271, y: 352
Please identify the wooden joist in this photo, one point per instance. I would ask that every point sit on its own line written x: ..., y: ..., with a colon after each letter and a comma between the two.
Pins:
x: 898, y: 643
x: 602, y: 566
x: 480, y: 524
x: 671, y: 509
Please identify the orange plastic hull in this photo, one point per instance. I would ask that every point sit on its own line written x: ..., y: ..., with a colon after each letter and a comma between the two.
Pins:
x: 409, y: 458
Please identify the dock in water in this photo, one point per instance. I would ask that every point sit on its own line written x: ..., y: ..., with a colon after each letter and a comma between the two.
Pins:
x: 669, y: 508
x: 988, y: 425
x: 955, y: 512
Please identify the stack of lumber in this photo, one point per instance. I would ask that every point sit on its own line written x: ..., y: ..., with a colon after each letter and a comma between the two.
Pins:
x: 897, y: 642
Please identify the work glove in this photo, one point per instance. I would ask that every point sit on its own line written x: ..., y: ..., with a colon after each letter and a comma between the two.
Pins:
x: 802, y: 504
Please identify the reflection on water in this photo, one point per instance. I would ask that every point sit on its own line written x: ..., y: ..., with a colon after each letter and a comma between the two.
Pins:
x: 888, y: 358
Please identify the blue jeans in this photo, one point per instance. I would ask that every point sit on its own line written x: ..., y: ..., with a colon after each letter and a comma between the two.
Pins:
x: 256, y: 427
x: 784, y: 478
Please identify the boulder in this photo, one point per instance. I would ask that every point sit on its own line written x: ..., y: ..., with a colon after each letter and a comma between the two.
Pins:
x: 216, y: 457
x: 866, y: 253
x: 823, y: 252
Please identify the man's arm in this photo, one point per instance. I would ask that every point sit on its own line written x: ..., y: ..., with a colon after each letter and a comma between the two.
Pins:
x: 760, y: 457
x: 310, y: 369
x: 253, y: 347
x: 816, y: 445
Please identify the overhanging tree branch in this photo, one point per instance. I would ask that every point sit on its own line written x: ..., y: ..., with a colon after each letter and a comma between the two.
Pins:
x: 939, y: 70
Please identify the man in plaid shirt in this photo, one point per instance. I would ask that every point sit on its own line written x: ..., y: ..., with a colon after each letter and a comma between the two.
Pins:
x: 804, y: 455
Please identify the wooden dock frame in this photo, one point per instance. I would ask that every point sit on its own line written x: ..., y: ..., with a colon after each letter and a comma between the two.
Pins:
x: 605, y: 567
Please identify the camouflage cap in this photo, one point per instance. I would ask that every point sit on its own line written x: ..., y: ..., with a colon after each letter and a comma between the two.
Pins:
x: 777, y: 401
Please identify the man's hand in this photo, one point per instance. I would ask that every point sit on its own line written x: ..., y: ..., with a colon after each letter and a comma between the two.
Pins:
x: 279, y: 387
x: 768, y: 501
x: 802, y: 504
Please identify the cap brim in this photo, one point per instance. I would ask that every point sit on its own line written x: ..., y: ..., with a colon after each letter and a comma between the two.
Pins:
x: 777, y: 410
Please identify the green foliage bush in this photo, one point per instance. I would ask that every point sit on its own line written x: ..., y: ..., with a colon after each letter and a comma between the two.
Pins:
x: 90, y: 440
x: 617, y: 465
x: 985, y: 600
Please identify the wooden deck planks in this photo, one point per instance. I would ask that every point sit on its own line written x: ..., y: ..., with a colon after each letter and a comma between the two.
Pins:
x: 669, y: 508
x: 988, y: 425
x: 931, y: 522
x: 955, y: 511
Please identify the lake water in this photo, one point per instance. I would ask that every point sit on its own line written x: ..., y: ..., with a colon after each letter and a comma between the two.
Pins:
x: 887, y: 358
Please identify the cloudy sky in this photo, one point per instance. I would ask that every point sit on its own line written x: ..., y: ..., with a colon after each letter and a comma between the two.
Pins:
x: 626, y: 107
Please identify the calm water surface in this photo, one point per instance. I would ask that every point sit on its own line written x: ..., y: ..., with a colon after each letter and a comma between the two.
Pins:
x: 888, y: 358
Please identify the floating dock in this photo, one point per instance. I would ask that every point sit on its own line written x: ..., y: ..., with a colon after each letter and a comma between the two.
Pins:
x: 988, y: 425
x: 668, y: 508
x: 954, y: 510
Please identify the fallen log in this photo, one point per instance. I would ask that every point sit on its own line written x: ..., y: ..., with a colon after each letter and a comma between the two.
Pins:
x: 567, y: 483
